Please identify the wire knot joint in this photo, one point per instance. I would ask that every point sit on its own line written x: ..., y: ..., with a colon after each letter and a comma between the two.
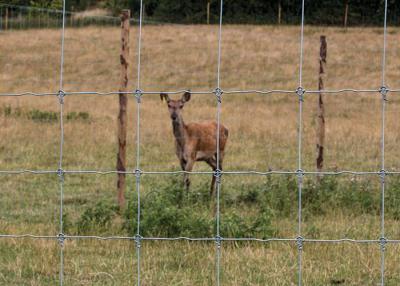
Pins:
x: 60, y: 174
x: 218, y: 174
x: 299, y: 242
x: 218, y: 94
x: 300, y: 93
x: 218, y: 241
x: 384, y: 92
x: 138, y: 239
x: 138, y: 95
x: 382, y: 175
x: 138, y: 174
x: 300, y: 175
x: 61, y: 238
x: 61, y: 95
x: 382, y: 243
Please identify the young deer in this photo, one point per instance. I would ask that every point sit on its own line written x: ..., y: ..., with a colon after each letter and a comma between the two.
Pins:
x: 195, y: 141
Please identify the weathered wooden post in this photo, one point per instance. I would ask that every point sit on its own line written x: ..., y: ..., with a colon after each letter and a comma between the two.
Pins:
x: 6, y: 20
x: 208, y: 12
x: 279, y: 13
x: 320, y: 108
x: 143, y: 12
x: 123, y: 102
x: 346, y: 13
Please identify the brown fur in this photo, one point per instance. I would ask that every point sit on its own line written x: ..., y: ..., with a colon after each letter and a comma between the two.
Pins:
x: 195, y: 141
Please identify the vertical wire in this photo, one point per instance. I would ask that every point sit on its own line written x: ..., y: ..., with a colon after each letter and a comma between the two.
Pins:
x: 60, y: 172
x: 219, y: 45
x: 300, y: 131
x: 139, y: 44
x: 301, y: 45
x: 384, y: 44
x: 218, y: 94
x: 384, y: 92
x: 62, y: 47
x: 138, y: 95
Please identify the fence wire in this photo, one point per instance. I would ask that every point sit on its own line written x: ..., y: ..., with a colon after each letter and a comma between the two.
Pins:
x: 300, y: 92
x: 27, y: 17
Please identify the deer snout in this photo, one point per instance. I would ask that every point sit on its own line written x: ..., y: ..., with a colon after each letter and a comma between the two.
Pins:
x: 174, y: 116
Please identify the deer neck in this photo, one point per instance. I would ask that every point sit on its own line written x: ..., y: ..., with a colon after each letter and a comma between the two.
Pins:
x: 179, y: 128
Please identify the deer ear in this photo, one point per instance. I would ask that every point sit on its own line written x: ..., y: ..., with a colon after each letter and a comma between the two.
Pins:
x: 164, y: 96
x: 186, y: 96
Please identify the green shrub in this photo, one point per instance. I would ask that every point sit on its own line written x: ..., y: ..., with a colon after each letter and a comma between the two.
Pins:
x: 7, y: 110
x: 84, y: 116
x: 169, y: 212
x: 97, y: 217
x: 42, y: 116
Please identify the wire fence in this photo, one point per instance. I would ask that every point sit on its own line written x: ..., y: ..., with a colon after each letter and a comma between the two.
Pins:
x: 16, y: 17
x: 300, y: 92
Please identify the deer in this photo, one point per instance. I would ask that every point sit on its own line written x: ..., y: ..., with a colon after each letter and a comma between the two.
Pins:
x: 195, y: 141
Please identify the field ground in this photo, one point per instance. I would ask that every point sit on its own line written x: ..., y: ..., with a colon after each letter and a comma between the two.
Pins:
x: 263, y: 135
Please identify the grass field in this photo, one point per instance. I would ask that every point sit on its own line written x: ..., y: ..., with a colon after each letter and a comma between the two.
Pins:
x: 263, y: 135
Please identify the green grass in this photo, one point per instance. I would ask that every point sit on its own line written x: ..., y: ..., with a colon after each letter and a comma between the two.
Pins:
x: 335, y: 208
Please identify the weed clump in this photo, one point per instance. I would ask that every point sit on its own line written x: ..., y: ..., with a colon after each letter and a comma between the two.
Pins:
x: 169, y: 212
x: 98, y: 217
x: 42, y: 116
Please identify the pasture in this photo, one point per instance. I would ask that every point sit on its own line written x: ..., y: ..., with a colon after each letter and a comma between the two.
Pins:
x: 263, y: 136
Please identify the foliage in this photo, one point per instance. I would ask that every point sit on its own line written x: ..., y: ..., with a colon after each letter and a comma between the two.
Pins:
x: 42, y: 116
x: 78, y: 116
x: 97, y: 217
x: 168, y: 212
x: 249, y: 210
x: 325, y: 12
x: 115, y: 6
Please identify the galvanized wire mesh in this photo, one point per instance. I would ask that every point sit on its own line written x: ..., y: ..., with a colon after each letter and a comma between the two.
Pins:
x: 300, y: 92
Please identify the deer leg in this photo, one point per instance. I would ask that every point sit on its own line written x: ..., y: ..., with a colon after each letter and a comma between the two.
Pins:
x: 188, y: 168
x: 213, y: 164
x: 183, y: 163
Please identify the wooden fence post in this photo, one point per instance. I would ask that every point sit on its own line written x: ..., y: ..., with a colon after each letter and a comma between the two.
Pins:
x: 208, y: 12
x: 279, y: 13
x: 143, y: 12
x: 320, y: 108
x: 346, y: 13
x: 6, y: 20
x: 123, y: 102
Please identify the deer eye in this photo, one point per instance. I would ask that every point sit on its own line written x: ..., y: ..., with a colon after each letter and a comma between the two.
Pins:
x: 180, y: 106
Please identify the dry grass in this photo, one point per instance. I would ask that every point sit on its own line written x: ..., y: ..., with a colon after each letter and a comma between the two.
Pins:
x: 263, y: 134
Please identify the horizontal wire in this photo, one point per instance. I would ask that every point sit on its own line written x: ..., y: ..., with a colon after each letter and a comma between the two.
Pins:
x: 275, y: 91
x: 184, y: 238
x: 248, y: 172
x: 29, y: 93
x: 70, y: 13
x: 18, y: 172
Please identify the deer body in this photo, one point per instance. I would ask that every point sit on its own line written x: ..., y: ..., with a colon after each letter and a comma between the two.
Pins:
x: 195, y: 141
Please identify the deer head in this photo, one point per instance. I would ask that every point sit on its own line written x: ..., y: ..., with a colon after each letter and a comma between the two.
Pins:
x: 175, y: 106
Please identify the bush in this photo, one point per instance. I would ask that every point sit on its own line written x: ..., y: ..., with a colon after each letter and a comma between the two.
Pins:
x: 42, y: 116
x: 247, y: 210
x: 97, y: 217
x: 169, y: 212
x: 84, y: 116
x: 165, y: 212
